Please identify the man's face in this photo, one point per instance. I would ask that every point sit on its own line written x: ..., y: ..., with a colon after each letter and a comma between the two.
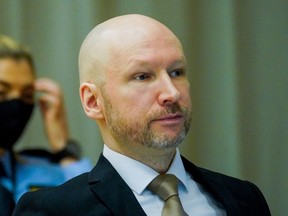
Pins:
x: 146, y: 94
x: 16, y: 80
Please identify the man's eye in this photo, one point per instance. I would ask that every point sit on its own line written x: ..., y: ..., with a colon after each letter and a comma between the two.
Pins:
x: 142, y: 77
x: 176, y: 73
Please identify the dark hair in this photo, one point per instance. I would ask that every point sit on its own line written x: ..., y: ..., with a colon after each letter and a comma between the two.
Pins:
x: 11, y: 49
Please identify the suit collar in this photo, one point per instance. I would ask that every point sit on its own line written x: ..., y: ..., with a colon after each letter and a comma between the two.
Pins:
x: 109, y: 187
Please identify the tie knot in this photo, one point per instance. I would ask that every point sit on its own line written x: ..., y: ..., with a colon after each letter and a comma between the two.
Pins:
x: 164, y: 186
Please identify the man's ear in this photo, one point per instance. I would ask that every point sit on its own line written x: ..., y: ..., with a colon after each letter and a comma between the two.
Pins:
x: 90, y: 98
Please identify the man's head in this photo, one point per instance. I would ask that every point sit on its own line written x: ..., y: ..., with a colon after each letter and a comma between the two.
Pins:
x: 134, y: 84
x: 16, y: 90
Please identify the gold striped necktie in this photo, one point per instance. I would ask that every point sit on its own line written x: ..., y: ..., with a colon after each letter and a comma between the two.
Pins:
x: 166, y: 187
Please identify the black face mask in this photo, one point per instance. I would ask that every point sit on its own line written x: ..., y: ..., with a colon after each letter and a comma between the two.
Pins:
x: 14, y: 115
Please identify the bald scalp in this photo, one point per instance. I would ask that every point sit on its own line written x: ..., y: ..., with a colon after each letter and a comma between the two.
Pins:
x: 100, y: 48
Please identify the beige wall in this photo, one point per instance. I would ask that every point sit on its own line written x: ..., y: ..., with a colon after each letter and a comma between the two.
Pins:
x: 237, y: 53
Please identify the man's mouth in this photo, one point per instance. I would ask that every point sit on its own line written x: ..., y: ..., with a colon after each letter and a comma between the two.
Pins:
x: 171, y: 118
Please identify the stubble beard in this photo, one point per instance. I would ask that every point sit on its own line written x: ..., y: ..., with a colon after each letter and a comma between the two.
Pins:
x: 131, y: 131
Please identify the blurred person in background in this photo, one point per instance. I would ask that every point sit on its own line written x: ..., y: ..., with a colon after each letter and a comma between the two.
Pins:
x: 31, y: 169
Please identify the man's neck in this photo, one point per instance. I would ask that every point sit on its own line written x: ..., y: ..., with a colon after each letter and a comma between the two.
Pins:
x: 158, y: 159
x: 159, y: 162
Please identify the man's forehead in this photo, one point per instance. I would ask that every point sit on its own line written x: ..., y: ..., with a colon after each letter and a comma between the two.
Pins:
x: 110, y: 41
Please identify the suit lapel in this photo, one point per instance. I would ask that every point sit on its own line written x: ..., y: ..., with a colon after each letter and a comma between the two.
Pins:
x: 216, y: 188
x: 109, y: 187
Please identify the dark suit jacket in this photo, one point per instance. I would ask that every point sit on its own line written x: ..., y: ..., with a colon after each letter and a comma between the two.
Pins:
x: 103, y: 192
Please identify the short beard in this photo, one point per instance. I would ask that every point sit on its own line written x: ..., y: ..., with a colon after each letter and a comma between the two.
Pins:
x: 140, y: 132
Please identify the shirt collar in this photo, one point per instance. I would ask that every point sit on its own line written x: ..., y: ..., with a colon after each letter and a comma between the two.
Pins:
x: 138, y: 175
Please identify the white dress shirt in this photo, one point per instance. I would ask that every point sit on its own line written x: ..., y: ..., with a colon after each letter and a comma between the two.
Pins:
x: 137, y: 176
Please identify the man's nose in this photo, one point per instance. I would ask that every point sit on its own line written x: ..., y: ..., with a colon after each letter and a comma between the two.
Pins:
x: 168, y: 92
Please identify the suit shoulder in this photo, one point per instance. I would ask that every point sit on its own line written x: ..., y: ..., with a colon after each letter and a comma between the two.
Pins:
x: 69, y: 187
x: 201, y: 174
x: 242, y: 191
x: 58, y: 192
x: 54, y: 198
x: 229, y: 181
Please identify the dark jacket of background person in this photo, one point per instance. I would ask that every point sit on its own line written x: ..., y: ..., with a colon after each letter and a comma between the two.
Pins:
x: 7, y: 202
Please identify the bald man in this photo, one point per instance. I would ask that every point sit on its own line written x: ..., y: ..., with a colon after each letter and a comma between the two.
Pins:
x: 134, y: 86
